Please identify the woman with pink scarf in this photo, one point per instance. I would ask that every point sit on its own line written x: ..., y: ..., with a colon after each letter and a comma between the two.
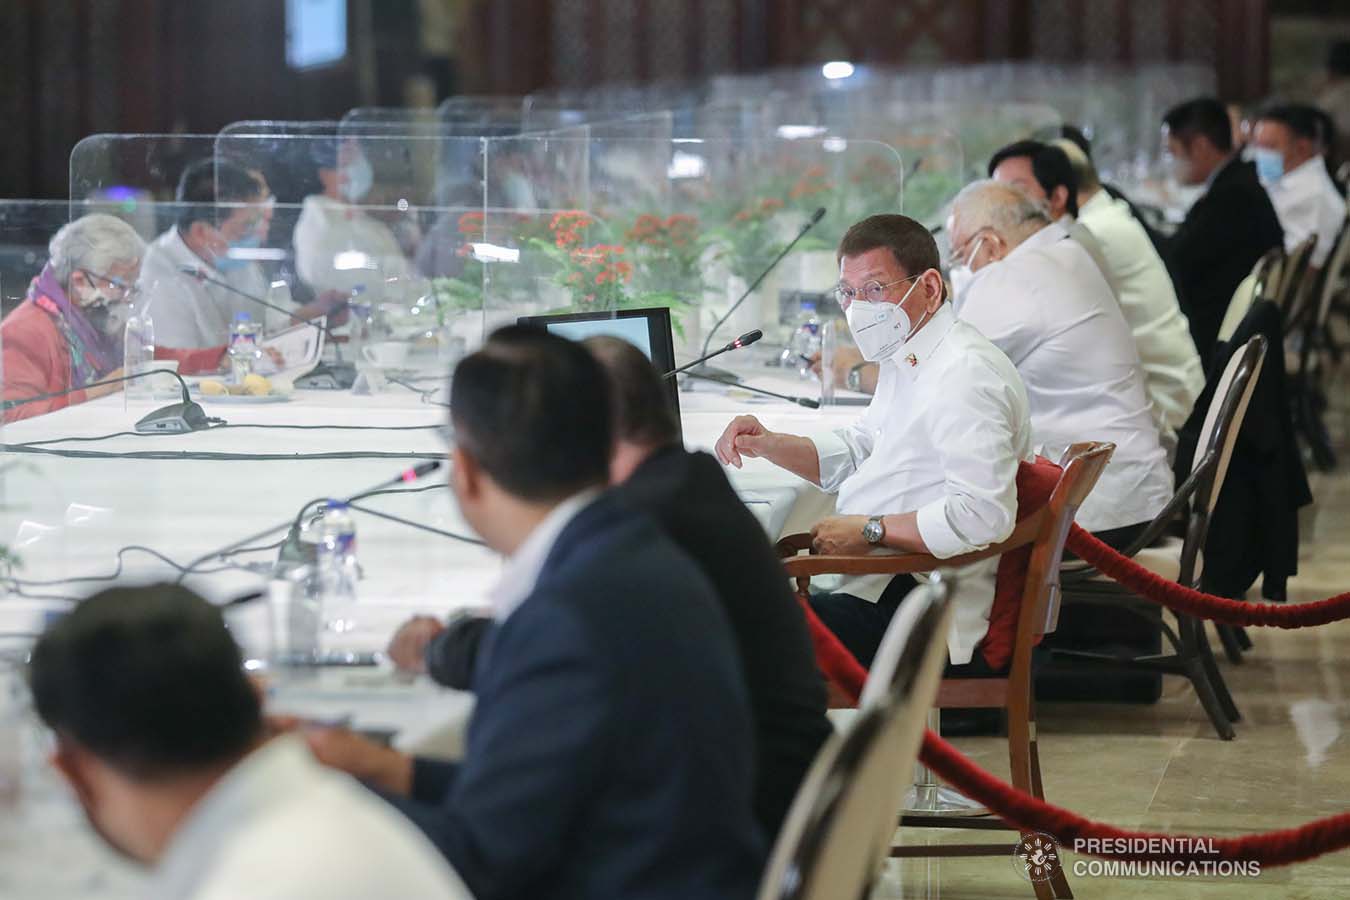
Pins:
x: 68, y: 332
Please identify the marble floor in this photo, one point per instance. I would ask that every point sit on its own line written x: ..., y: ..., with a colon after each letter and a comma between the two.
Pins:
x: 1161, y: 767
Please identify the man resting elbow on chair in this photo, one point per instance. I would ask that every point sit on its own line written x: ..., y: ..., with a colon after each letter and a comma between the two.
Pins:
x: 931, y: 466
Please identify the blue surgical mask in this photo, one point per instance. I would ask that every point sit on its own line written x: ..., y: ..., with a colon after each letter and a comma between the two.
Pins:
x: 229, y: 263
x: 1269, y: 164
x: 360, y: 179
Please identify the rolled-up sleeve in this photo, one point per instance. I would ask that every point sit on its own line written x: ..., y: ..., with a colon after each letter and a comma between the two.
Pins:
x: 841, y: 452
x: 975, y: 434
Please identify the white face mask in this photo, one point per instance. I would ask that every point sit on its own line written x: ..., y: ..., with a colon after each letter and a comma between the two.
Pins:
x: 360, y: 178
x: 961, y: 276
x: 880, y: 329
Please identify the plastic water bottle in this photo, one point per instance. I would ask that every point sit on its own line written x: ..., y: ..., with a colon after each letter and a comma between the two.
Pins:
x: 336, y: 565
x: 138, y: 353
x: 244, y: 351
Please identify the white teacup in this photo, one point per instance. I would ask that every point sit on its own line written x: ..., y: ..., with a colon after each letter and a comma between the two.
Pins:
x: 387, y: 354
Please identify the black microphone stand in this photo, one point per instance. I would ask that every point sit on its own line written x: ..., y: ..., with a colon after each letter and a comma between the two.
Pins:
x: 713, y: 372
x: 339, y: 375
x: 176, y: 418
x: 800, y: 401
x: 744, y: 340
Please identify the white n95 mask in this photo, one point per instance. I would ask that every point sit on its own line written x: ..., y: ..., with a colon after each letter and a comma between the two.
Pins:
x: 879, y: 329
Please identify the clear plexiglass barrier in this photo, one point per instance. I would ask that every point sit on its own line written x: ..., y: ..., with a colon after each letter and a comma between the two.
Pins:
x: 592, y: 226
x: 297, y: 293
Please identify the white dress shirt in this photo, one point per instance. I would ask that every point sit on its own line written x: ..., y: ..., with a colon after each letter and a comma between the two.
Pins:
x: 943, y: 436
x: 522, y: 569
x: 1049, y: 309
x: 339, y: 247
x: 1307, y: 202
x: 188, y: 313
x: 1173, y: 374
x: 279, y: 825
x: 1084, y: 236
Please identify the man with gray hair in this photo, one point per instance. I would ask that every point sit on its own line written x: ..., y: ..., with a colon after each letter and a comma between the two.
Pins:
x: 68, y: 332
x: 1173, y: 375
x: 1042, y: 300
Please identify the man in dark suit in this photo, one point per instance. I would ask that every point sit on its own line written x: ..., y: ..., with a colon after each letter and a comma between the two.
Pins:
x: 689, y: 497
x: 1227, y: 229
x: 610, y: 753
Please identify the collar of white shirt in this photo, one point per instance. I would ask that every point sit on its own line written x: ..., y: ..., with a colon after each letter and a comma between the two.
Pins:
x: 1306, y: 177
x: 1043, y: 238
x: 918, y: 349
x: 265, y: 777
x: 522, y: 569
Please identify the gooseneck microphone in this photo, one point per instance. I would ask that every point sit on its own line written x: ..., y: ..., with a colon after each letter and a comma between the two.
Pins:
x: 800, y: 401
x: 744, y: 340
x: 202, y: 275
x: 815, y: 218
x: 338, y: 376
x: 407, y: 476
x: 176, y: 418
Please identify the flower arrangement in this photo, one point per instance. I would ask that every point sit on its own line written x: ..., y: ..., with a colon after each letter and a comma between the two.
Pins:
x: 465, y: 290
x: 668, y: 250
x: 750, y: 239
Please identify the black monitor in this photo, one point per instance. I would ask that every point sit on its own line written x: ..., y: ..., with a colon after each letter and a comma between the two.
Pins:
x: 647, y: 329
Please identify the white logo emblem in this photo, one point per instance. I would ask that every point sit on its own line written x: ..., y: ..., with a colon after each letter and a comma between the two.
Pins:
x: 1036, y: 857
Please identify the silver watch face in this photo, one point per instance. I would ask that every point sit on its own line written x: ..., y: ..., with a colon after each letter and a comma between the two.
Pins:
x: 872, y: 531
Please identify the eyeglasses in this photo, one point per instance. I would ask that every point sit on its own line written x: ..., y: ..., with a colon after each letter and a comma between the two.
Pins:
x: 872, y: 291
x: 125, y: 293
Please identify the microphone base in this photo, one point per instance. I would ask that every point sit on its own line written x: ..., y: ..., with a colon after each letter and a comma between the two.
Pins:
x: 179, y: 418
x: 713, y: 372
x: 338, y: 376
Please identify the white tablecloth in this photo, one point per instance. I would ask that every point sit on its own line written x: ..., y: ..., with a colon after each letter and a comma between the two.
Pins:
x: 68, y: 517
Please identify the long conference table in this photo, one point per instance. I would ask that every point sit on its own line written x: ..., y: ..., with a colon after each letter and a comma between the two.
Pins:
x: 188, y: 495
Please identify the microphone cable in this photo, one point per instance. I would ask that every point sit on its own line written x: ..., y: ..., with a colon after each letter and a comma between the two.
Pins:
x: 221, y: 427
x: 207, y: 455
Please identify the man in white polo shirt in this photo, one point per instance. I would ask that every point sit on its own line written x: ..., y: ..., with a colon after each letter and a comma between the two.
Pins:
x: 1287, y: 146
x: 931, y: 467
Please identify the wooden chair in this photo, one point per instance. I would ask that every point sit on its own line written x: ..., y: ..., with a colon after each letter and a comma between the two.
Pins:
x: 1179, y: 560
x: 837, y: 833
x: 1292, y: 291
x: 1317, y: 353
x: 1257, y: 286
x: 1045, y: 530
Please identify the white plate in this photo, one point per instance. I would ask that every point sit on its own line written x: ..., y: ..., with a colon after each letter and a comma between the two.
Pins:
x: 243, y: 399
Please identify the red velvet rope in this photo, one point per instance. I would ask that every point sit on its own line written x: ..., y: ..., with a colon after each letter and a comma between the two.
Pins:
x: 1027, y: 813
x: 1152, y: 586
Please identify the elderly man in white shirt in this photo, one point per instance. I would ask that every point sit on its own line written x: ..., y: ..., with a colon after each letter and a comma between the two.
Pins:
x: 1173, y: 373
x: 931, y: 466
x: 222, y: 212
x: 1287, y: 146
x: 159, y: 732
x: 1039, y: 297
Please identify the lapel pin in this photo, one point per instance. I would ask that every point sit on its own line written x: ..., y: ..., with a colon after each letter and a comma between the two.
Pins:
x: 912, y: 360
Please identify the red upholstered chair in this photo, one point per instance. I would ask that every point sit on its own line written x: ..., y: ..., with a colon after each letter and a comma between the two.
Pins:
x: 1020, y: 617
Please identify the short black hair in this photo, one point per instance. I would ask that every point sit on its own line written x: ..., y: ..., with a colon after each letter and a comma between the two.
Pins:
x: 149, y: 680
x: 207, y: 183
x: 1076, y: 135
x: 910, y: 242
x: 1303, y: 120
x: 534, y: 410
x: 640, y: 410
x: 1202, y: 116
x: 1049, y: 164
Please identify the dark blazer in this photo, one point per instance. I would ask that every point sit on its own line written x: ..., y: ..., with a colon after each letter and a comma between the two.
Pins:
x: 690, y: 498
x: 610, y: 751
x: 1225, y: 232
x: 1254, y: 530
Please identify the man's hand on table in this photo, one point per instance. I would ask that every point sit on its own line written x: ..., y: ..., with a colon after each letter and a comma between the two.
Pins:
x: 840, y: 536
x: 746, y: 437
x: 845, y: 360
x: 338, y: 748
x: 408, y: 647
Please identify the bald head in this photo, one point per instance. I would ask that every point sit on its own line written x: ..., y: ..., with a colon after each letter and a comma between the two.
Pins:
x: 995, y: 217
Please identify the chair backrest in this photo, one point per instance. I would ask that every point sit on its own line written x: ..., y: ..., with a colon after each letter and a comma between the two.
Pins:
x: 898, y: 657
x: 1256, y: 286
x: 1214, y: 447
x: 1083, y: 464
x: 839, y: 829
x: 1334, y: 278
x: 1293, y: 289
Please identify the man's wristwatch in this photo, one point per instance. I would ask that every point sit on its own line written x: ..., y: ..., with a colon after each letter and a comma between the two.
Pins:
x: 854, y: 379
x: 874, y: 531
